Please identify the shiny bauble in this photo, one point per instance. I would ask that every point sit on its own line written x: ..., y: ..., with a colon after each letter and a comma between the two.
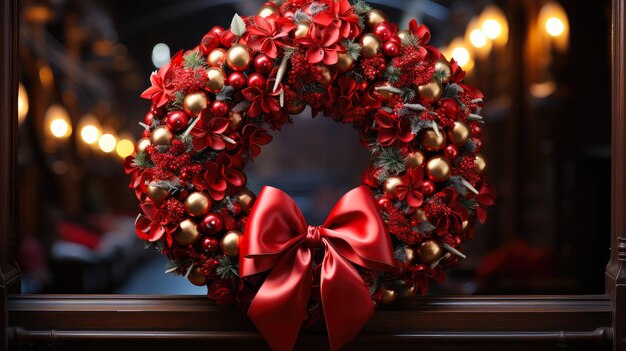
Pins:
x: 481, y: 163
x: 194, y: 103
x: 415, y: 159
x: 465, y: 226
x: 216, y: 79
x: 404, y: 34
x: 267, y: 10
x: 326, y: 77
x: 211, y: 224
x: 142, y: 144
x: 427, y: 188
x: 442, y: 68
x: 256, y: 80
x: 263, y: 64
x: 234, y: 120
x: 391, y: 48
x: 478, y: 144
x: 148, y: 118
x: 302, y: 29
x: 451, y: 151
x: 161, y: 135
x: 220, y: 108
x: 429, y: 251
x: 245, y: 199
x: 431, y: 90
x: 238, y: 57
x: 209, y: 43
x: 344, y: 62
x: 177, y: 120
x: 156, y: 194
x: 216, y: 58
x: 438, y: 169
x: 217, y: 31
x: 187, y: 233
x: 420, y: 215
x: 391, y: 185
x: 197, y: 203
x: 409, y: 292
x: 383, y: 203
x: 374, y: 17
x: 236, y: 80
x: 295, y: 107
x: 388, y: 296
x: 459, y: 133
x: 369, y: 45
x: 227, y: 39
x: 384, y: 30
x: 210, y: 244
x: 230, y: 243
x: 196, y: 277
x: 476, y: 129
x: 410, y: 254
x: 431, y: 141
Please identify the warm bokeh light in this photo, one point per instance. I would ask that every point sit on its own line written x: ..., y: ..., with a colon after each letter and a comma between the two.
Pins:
x: 459, y: 51
x: 461, y: 55
x: 554, y: 26
x: 543, y: 90
x: 58, y: 121
x: 107, y: 142
x: 90, y: 134
x: 22, y: 103
x: 494, y: 24
x: 478, y: 38
x: 492, y: 29
x: 125, y: 147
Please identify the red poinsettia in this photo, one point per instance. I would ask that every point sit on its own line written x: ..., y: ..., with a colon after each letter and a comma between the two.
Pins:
x: 208, y: 132
x: 219, y: 177
x: 486, y: 197
x: 421, y: 32
x: 341, y: 15
x: 139, y: 177
x: 159, y: 92
x: 263, y: 100
x: 349, y: 98
x: 322, y: 44
x: 268, y: 34
x: 154, y: 222
x: 450, y: 213
x: 410, y: 187
x: 255, y: 137
x: 392, y: 128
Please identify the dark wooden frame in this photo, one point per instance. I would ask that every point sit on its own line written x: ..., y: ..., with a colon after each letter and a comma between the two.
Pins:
x: 78, y: 322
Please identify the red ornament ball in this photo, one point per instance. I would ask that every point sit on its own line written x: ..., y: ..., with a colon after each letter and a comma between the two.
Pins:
x: 391, y: 48
x: 384, y: 30
x: 148, y: 118
x: 230, y: 222
x: 211, y: 224
x: 220, y: 108
x: 451, y: 151
x: 476, y: 129
x: 237, y: 80
x: 384, y: 203
x: 210, y: 244
x: 478, y: 144
x: 177, y: 120
x: 217, y: 31
x: 427, y: 188
x: 209, y: 43
x: 256, y: 80
x: 263, y: 64
x: 227, y: 39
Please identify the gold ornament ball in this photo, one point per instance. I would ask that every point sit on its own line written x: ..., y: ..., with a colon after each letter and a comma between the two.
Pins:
x: 234, y: 120
x: 295, y: 107
x: 344, y: 62
x: 481, y: 163
x: 142, y: 144
x: 156, y: 194
x: 217, y: 57
x: 429, y: 251
x: 369, y: 45
x: 388, y: 296
x: 433, y: 141
x: 459, y: 133
x: 197, y: 203
x: 443, y: 69
x: 194, y: 103
x: 327, y: 76
x: 415, y: 159
x: 302, y: 29
x: 410, y: 254
x: 245, y: 199
x: 187, y: 233
x: 217, y: 77
x: 438, y: 169
x: 465, y: 226
x: 374, y: 17
x: 161, y: 135
x: 403, y: 34
x: 409, y: 292
x: 238, y: 57
x: 420, y: 215
x: 431, y: 90
x: 267, y: 10
x: 230, y: 243
x: 391, y: 187
x: 196, y: 277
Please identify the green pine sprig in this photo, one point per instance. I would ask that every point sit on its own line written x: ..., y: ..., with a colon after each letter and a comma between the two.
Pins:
x: 361, y: 7
x: 226, y: 268
x: 194, y: 60
x: 389, y: 159
x: 392, y: 74
x: 353, y: 49
x: 142, y: 160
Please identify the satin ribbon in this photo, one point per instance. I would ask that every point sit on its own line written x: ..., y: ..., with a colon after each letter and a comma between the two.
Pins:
x: 278, y: 239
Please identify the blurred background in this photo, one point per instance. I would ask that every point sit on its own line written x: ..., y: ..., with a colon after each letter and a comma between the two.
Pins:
x: 544, y: 66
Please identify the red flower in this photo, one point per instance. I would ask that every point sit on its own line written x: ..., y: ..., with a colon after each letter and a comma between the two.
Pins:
x: 322, y: 44
x: 349, y: 98
x: 154, y: 222
x: 139, y: 177
x: 267, y: 34
x: 207, y: 132
x: 391, y: 128
x: 159, y: 92
x: 486, y: 197
x: 421, y: 32
x: 219, y: 177
x: 255, y: 137
x: 225, y: 292
x: 410, y: 187
x: 341, y: 15
x: 262, y: 100
x: 452, y: 217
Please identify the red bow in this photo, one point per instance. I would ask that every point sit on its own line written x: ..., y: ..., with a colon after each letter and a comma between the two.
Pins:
x: 277, y: 238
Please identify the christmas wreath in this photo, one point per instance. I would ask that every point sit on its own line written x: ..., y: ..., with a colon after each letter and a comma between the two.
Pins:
x: 211, y: 108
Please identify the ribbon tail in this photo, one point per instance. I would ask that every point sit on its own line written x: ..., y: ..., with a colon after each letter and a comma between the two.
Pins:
x: 345, y: 297
x: 280, y: 307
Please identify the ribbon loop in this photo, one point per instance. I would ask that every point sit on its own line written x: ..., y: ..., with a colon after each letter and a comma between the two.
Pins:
x: 277, y: 239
